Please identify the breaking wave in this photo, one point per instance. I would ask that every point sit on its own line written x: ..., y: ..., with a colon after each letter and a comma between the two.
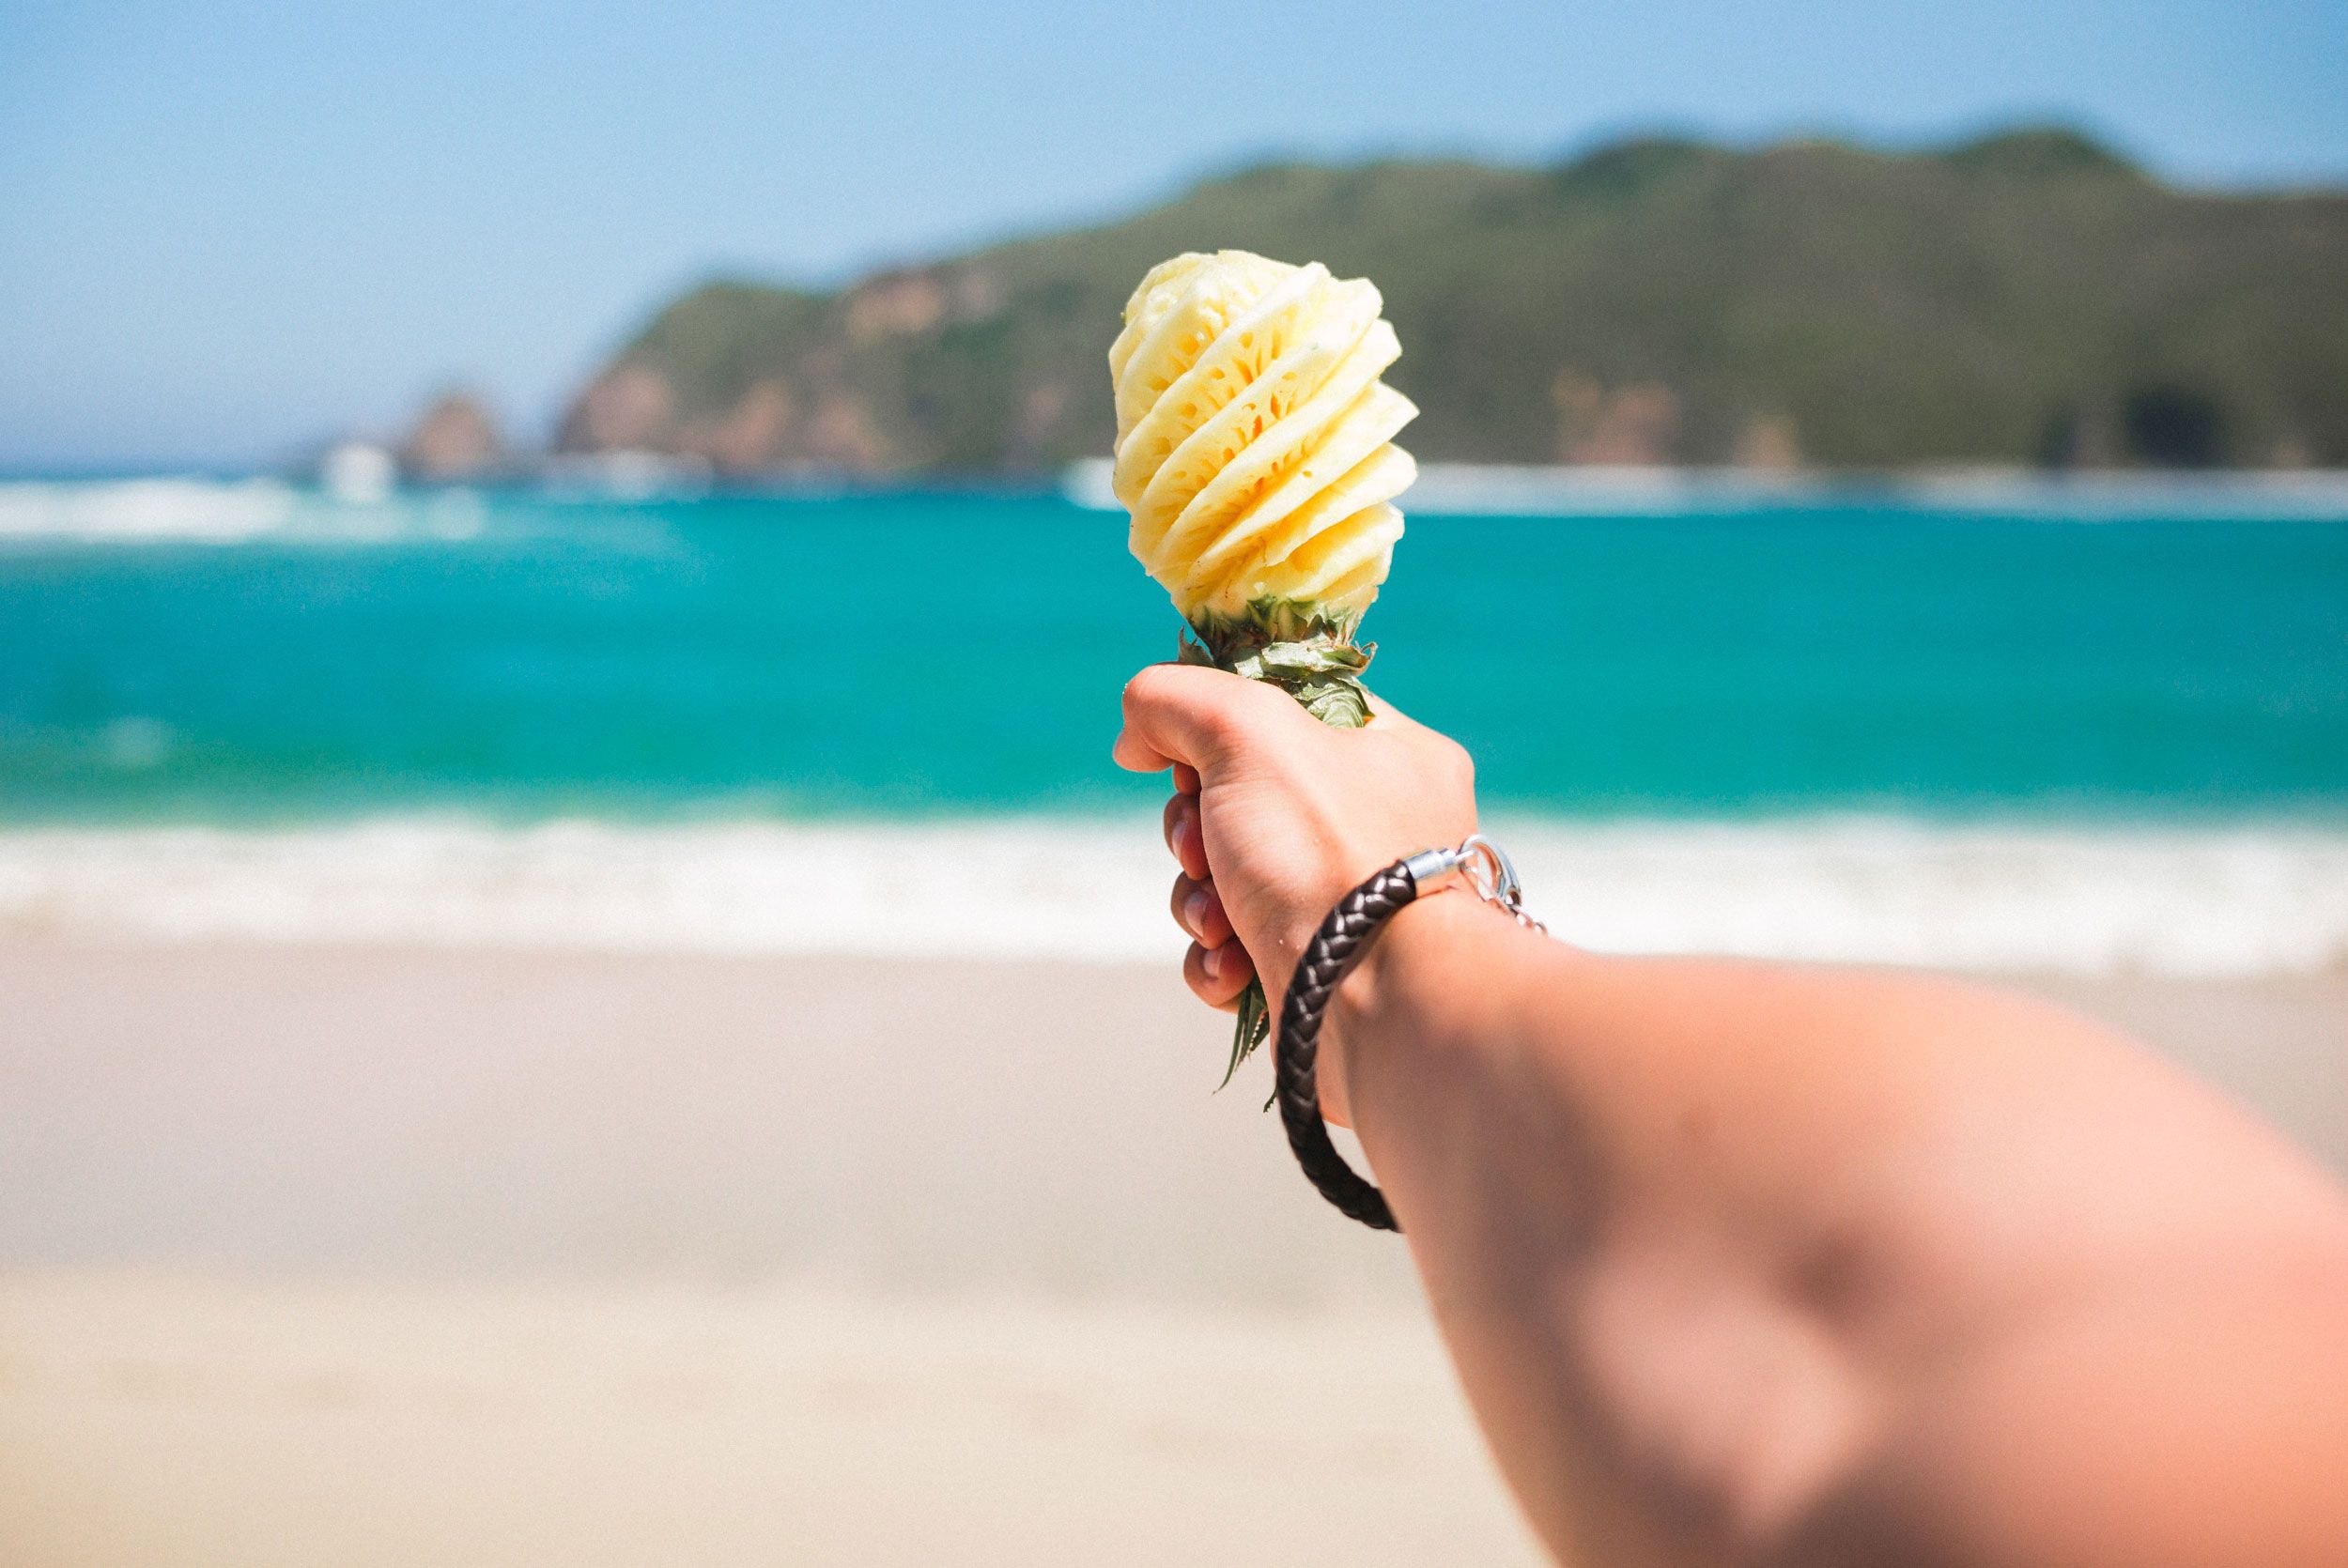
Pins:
x: 2215, y: 901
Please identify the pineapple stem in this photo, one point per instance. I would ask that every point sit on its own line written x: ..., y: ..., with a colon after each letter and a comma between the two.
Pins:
x: 1312, y: 657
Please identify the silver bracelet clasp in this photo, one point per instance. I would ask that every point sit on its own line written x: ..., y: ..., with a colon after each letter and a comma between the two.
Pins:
x: 1483, y: 865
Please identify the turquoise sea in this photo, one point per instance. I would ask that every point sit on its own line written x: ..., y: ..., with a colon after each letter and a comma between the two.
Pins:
x: 252, y: 653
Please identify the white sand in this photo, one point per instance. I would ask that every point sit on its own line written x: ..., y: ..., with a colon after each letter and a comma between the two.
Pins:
x: 408, y: 1256
x: 147, y: 1420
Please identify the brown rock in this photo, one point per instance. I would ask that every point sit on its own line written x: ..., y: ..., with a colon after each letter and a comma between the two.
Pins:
x: 1637, y: 425
x: 1767, y: 445
x: 455, y: 439
x: 2290, y: 451
x: 977, y: 294
x: 628, y: 408
x: 899, y: 305
x: 753, y: 435
x: 1043, y: 416
x: 842, y: 435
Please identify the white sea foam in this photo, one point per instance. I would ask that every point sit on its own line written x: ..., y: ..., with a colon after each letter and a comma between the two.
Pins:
x: 2219, y: 902
x: 185, y: 511
x: 132, y: 512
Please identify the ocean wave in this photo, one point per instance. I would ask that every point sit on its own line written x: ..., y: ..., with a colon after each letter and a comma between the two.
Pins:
x: 2229, y: 901
x: 131, y: 512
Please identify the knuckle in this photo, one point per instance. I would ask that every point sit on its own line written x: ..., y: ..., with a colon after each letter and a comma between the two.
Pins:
x: 1220, y: 726
x: 1145, y: 688
x: 1453, y: 760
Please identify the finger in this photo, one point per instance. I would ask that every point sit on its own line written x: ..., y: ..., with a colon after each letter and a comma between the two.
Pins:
x: 1136, y: 755
x: 1199, y: 910
x: 1185, y: 780
x: 1184, y: 837
x: 1217, y: 976
x: 1187, y: 712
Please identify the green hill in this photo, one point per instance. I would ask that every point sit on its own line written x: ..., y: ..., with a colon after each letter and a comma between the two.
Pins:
x: 2029, y: 297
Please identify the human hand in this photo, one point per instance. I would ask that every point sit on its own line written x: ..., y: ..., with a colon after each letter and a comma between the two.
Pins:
x: 1276, y: 816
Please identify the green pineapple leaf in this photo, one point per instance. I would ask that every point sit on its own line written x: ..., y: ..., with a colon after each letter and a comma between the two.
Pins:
x: 1313, y: 658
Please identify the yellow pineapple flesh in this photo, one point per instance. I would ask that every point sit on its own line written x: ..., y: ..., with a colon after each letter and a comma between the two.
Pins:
x: 1255, y: 452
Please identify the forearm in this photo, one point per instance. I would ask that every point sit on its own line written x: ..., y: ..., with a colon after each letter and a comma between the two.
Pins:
x: 1605, y: 1343
x: 1740, y: 1260
x: 1694, y: 1228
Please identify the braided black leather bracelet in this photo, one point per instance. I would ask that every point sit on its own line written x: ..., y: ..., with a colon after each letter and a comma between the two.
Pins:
x: 1332, y: 954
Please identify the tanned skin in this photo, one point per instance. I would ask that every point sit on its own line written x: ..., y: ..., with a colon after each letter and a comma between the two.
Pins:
x: 1748, y: 1263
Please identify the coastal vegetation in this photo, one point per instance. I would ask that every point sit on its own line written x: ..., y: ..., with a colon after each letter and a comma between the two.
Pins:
x: 2031, y: 298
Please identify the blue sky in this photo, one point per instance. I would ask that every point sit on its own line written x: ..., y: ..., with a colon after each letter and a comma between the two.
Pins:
x: 228, y: 229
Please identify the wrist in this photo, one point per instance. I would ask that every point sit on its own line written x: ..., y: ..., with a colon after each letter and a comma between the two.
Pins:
x: 1407, y: 992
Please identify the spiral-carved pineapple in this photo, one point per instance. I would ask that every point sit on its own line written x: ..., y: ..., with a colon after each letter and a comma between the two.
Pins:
x: 1254, y: 440
x: 1255, y: 450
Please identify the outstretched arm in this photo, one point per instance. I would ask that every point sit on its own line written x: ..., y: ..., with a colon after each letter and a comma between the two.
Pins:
x: 1743, y: 1262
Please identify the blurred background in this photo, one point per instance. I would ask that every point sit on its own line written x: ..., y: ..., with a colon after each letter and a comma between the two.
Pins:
x: 576, y: 983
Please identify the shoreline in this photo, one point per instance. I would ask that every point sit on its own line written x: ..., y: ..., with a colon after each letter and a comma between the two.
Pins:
x: 2100, y: 494
x: 2225, y: 899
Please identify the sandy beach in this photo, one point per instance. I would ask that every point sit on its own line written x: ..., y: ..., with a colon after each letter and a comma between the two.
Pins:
x: 422, y: 1256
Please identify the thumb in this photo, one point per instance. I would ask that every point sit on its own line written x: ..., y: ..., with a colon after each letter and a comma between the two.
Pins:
x: 1191, y: 713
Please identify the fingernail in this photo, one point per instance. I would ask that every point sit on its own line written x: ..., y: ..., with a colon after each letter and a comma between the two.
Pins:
x: 1212, y: 963
x: 1195, y: 910
x: 1180, y: 835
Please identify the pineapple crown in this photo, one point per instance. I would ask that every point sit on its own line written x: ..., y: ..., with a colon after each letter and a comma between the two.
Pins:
x: 1302, y: 649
